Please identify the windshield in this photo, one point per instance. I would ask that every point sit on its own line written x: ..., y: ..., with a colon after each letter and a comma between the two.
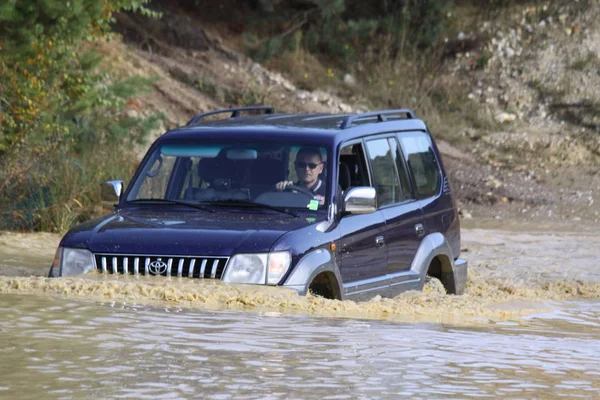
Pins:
x: 273, y: 174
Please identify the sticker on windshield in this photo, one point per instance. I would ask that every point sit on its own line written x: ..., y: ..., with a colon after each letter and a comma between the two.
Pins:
x: 313, y: 205
x: 320, y: 199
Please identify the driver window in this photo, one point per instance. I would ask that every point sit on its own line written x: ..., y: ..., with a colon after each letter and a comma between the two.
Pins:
x: 156, y: 178
x: 352, y: 168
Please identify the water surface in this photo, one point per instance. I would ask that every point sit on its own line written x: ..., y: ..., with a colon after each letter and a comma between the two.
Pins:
x: 529, y: 326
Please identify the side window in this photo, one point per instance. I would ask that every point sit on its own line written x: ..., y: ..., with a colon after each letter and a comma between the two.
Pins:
x: 421, y: 162
x: 156, y: 178
x: 401, y: 168
x: 384, y: 172
x: 352, y: 167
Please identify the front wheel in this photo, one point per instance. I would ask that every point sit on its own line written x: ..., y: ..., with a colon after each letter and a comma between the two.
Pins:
x: 325, y: 285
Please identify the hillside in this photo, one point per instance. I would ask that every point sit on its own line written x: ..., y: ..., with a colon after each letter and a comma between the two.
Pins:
x: 524, y: 144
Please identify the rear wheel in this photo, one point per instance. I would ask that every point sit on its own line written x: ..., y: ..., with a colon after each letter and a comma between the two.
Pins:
x: 440, y: 269
x: 433, y: 285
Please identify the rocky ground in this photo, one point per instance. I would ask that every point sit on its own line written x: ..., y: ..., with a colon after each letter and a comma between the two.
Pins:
x: 529, y: 152
x: 541, y: 85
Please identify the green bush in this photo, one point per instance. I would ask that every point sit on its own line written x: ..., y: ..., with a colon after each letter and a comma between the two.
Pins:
x: 58, y: 111
x: 344, y: 30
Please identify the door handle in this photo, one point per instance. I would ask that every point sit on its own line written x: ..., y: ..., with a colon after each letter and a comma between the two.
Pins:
x: 419, y: 230
x: 379, y: 241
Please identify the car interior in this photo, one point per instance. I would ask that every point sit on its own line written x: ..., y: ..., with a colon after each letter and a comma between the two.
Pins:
x: 221, y: 178
x: 352, y: 168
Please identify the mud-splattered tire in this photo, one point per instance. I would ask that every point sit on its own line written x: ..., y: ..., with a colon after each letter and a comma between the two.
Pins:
x: 433, y: 285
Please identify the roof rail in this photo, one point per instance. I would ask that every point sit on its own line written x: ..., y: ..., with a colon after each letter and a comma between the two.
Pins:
x: 381, y: 116
x: 235, y: 112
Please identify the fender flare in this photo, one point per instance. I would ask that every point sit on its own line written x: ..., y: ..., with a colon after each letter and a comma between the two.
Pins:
x: 453, y: 274
x: 311, y: 265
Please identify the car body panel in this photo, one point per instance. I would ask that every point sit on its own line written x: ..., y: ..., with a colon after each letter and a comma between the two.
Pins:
x: 432, y: 246
x: 312, y: 264
x: 184, y: 232
x: 401, y: 238
x: 360, y: 256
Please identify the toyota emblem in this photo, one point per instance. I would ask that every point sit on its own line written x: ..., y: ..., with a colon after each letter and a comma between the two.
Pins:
x: 157, y: 267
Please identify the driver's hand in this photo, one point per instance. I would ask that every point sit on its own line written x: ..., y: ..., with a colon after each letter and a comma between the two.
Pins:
x: 280, y: 186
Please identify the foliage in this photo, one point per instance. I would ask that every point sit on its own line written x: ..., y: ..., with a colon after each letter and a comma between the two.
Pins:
x: 347, y: 29
x: 57, y: 109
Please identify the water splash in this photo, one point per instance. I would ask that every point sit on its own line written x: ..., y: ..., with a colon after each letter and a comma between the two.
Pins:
x: 483, y: 301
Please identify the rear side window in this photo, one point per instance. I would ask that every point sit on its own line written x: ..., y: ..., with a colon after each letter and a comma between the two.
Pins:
x: 422, y: 163
x: 384, y: 172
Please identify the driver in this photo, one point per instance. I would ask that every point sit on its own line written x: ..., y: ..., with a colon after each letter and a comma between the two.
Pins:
x: 309, y: 165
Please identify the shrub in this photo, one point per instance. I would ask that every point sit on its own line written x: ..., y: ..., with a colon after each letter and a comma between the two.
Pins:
x: 58, y: 111
x: 345, y: 29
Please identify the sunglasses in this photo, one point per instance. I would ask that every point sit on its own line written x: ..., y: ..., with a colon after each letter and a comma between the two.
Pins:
x: 302, y: 165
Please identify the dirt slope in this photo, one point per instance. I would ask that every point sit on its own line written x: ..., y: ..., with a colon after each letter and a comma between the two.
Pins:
x: 538, y: 160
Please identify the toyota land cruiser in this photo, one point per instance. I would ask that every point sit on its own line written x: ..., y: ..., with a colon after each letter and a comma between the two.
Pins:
x: 344, y: 206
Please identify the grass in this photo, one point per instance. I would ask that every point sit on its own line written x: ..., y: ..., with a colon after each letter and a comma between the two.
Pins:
x: 305, y: 70
x: 414, y: 83
x: 583, y: 63
x: 545, y: 91
x: 439, y: 100
x: 249, y: 95
x: 51, y: 192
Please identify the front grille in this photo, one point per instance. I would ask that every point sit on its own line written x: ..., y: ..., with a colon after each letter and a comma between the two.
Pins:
x: 190, y: 267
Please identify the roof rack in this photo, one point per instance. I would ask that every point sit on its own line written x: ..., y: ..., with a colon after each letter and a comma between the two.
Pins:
x: 235, y: 112
x: 380, y: 115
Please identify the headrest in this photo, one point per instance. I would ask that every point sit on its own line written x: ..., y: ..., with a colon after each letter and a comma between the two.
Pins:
x: 220, y: 167
x: 344, y: 180
x: 208, y: 168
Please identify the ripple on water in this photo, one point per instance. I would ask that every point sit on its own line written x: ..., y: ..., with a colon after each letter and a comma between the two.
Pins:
x: 527, y: 327
x: 146, y: 352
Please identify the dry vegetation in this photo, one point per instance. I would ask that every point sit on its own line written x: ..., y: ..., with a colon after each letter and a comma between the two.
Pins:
x: 512, y: 93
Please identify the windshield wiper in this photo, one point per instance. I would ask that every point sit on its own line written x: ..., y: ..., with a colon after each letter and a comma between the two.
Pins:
x: 252, y: 204
x: 169, y: 201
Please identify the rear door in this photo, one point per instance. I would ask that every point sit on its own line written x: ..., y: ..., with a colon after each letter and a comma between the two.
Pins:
x: 430, y: 190
x: 396, y: 201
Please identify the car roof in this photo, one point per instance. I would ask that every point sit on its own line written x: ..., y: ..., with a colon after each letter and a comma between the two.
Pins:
x: 330, y: 129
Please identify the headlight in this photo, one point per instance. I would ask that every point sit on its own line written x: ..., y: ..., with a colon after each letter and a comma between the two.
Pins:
x: 55, y: 269
x: 246, y: 268
x: 252, y: 268
x: 278, y: 265
x: 74, y: 261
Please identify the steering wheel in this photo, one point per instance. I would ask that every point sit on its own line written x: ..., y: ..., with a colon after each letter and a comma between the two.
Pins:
x: 299, y: 189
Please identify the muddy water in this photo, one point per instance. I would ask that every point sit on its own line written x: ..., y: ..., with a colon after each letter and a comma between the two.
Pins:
x: 529, y: 326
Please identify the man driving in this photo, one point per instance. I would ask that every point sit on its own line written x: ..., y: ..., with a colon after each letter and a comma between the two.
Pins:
x: 309, y: 165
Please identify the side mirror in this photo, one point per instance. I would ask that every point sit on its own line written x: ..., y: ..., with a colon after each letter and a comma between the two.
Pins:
x: 360, y: 200
x: 110, y: 191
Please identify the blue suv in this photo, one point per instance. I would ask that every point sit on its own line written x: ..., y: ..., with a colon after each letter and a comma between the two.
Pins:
x: 344, y: 206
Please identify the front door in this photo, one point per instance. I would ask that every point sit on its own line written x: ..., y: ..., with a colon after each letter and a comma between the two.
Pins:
x: 364, y: 256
